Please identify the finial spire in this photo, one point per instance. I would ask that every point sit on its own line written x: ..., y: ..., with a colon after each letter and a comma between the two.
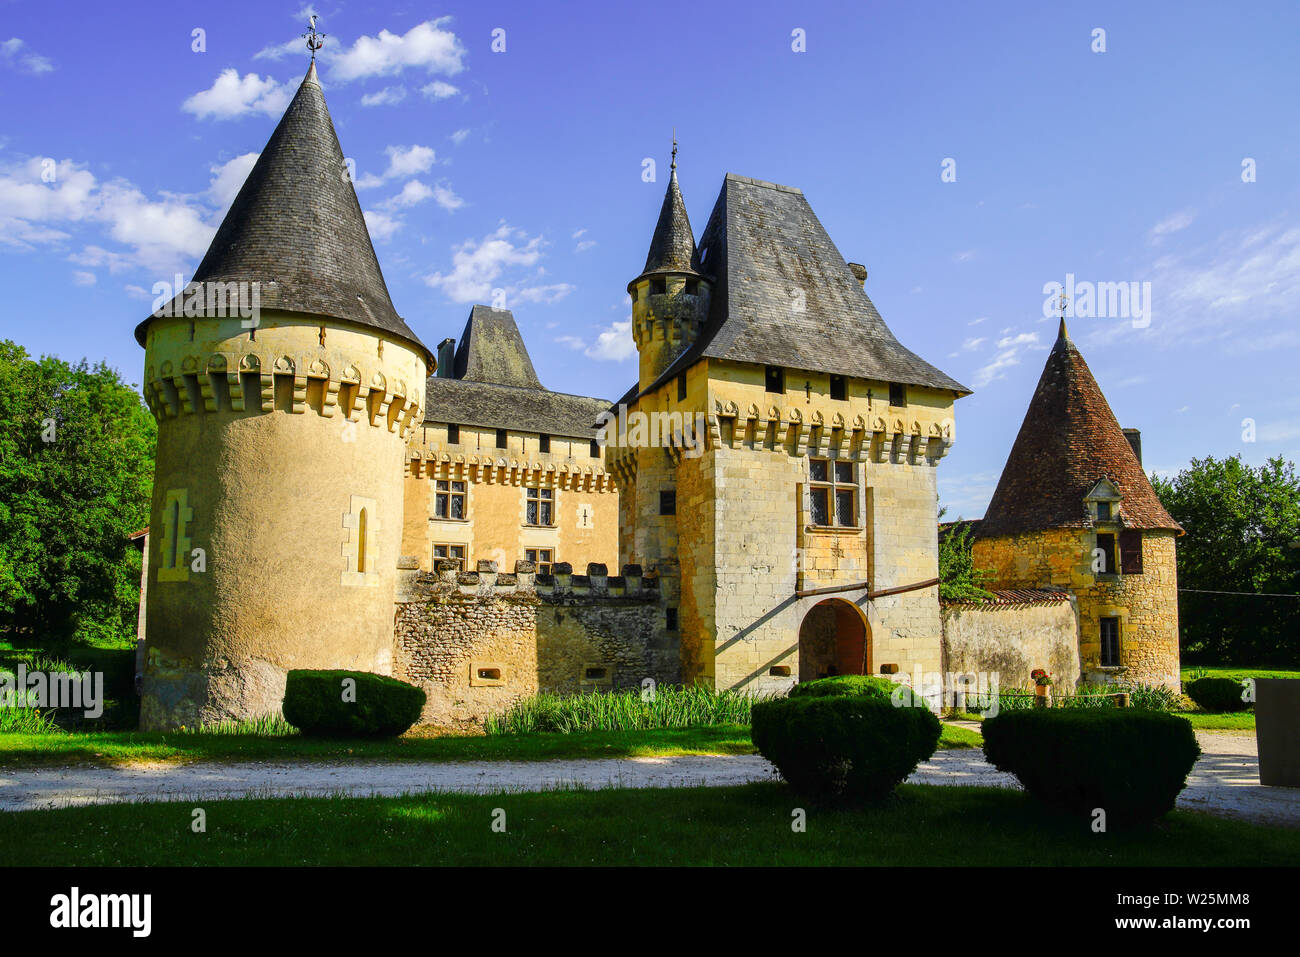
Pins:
x: 673, y: 166
x: 314, y: 40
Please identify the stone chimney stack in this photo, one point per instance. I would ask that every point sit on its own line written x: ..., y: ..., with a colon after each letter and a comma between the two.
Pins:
x: 859, y: 273
x: 1134, y: 437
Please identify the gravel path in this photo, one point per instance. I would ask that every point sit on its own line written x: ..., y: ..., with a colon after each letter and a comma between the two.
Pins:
x: 1225, y: 780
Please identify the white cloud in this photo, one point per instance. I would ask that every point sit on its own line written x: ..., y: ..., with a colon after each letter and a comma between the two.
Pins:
x: 614, y: 344
x: 229, y: 177
x: 583, y: 246
x: 439, y: 90
x: 408, y: 160
x: 279, y: 51
x: 232, y: 96
x: 138, y: 292
x: 459, y: 137
x: 572, y: 342
x: 425, y: 46
x: 412, y: 193
x: 382, y: 226
x: 444, y: 197
x: 1172, y: 224
x: 976, y: 322
x: 84, y: 278
x: 1010, y: 349
x: 385, y: 97
x: 161, y: 234
x: 15, y: 54
x: 973, y: 343
x: 479, y: 266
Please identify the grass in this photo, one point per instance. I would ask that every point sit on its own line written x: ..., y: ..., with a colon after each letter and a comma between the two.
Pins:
x: 1235, y: 721
x: 236, y: 743
x: 668, y: 706
x: 1189, y: 672
x: 745, y: 826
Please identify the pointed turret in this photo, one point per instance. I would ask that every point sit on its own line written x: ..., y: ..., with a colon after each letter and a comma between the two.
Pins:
x: 1068, y: 441
x: 296, y: 228
x: 670, y: 299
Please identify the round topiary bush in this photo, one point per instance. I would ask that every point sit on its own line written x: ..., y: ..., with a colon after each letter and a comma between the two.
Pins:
x: 851, y: 747
x: 324, y: 704
x: 1216, y: 694
x: 1128, y: 762
x: 852, y: 686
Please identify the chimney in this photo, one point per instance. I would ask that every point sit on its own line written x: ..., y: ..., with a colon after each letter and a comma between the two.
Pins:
x: 1134, y: 437
x: 446, y: 358
x: 859, y: 273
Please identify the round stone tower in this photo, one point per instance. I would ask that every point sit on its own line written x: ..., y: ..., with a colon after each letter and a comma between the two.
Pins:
x: 284, y: 384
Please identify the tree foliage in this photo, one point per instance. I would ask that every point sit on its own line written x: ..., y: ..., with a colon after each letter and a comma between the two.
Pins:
x: 1243, y: 535
x: 76, y: 469
x: 959, y: 579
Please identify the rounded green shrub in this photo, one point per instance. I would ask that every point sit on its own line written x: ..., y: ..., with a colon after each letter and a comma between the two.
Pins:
x: 1216, y: 694
x: 833, y: 746
x: 852, y: 686
x: 320, y: 704
x: 1130, y: 763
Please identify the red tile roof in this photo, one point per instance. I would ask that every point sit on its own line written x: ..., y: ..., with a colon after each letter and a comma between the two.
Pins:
x: 1068, y: 440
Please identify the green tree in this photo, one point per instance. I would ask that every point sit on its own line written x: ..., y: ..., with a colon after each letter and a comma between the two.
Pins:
x: 959, y: 579
x: 76, y: 470
x: 1243, y: 535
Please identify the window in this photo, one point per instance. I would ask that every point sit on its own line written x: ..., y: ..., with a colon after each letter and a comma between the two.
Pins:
x: 363, y: 532
x: 453, y: 435
x: 681, y: 387
x: 1130, y: 551
x: 1105, y: 545
x: 839, y: 388
x: 502, y: 436
x: 670, y: 619
x: 668, y: 502
x: 774, y: 379
x: 543, y: 443
x: 595, y: 448
x: 449, y: 500
x: 658, y: 287
x: 1103, y: 511
x: 543, y: 558
x: 1110, y: 642
x: 834, y: 495
x: 692, y: 287
x: 449, y: 553
x: 540, y: 506
x: 897, y: 394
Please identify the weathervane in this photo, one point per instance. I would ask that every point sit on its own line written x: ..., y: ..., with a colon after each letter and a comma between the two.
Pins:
x: 314, y: 40
x: 1063, y: 302
x: 674, y: 163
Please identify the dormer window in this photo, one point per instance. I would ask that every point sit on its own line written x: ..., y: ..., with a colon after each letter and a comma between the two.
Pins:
x: 1102, y: 502
x: 1103, y: 512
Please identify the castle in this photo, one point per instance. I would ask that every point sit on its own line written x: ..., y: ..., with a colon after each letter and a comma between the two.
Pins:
x: 331, y: 494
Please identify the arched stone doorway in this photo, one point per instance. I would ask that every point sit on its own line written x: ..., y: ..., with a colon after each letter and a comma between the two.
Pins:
x: 834, y: 640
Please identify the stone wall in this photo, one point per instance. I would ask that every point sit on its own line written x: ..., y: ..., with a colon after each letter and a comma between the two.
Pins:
x: 478, y: 641
x: 1146, y: 604
x: 1012, y: 640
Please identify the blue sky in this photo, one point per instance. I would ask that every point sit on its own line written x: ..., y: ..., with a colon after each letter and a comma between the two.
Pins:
x: 522, y: 170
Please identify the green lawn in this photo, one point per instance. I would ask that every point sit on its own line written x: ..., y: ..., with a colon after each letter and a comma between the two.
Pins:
x: 1235, y: 721
x: 748, y: 825
x: 1225, y: 671
x: 121, y: 747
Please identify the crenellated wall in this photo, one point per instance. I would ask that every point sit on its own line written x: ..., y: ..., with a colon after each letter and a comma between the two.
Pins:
x: 478, y: 641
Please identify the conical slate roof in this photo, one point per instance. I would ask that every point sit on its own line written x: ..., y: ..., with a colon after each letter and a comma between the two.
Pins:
x: 297, y: 229
x: 1067, y: 442
x: 672, y: 248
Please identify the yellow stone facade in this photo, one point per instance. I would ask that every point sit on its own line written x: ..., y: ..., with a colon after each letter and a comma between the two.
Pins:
x: 278, y: 505
x: 1146, y: 604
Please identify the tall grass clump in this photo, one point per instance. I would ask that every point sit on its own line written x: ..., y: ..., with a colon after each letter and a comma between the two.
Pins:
x: 668, y: 706
x: 267, y: 726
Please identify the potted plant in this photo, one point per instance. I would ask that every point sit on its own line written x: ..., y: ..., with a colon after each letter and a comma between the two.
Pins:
x: 1042, y: 688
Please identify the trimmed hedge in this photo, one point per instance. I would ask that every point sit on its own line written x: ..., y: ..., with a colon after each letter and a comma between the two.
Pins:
x: 1217, y: 694
x: 384, y: 707
x: 851, y: 686
x: 852, y: 747
x: 1130, y: 763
